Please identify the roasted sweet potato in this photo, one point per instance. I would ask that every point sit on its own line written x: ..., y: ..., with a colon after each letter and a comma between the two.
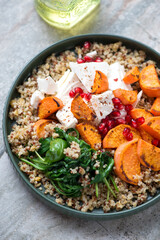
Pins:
x: 127, y: 164
x: 132, y: 76
x: 40, y: 127
x: 115, y: 137
x: 48, y: 106
x: 149, y: 155
x: 149, y: 81
x: 126, y: 96
x: 80, y: 109
x: 152, y: 126
x: 155, y: 109
x: 145, y: 136
x: 90, y: 134
x: 100, y: 83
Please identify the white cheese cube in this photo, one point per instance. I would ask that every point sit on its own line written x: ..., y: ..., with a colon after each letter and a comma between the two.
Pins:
x: 47, y: 85
x: 102, y: 104
x: 115, y: 77
x: 86, y: 72
x: 66, y: 117
x: 36, y: 98
x: 92, y: 54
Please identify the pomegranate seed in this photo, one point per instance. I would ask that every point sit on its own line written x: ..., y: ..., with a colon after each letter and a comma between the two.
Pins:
x: 72, y: 94
x: 105, y: 120
x: 87, y: 96
x: 105, y: 131
x: 82, y: 95
x: 126, y: 131
x: 128, y: 107
x: 88, y: 59
x: 80, y: 60
x: 116, y: 79
x: 98, y: 59
x: 78, y: 90
x: 133, y: 123
x: 101, y: 127
x: 129, y: 136
x: 155, y: 142
x: 115, y: 113
x: 128, y: 118
x: 120, y: 121
x: 110, y: 123
x: 119, y: 106
x: 87, y: 45
x: 140, y: 120
x: 116, y: 100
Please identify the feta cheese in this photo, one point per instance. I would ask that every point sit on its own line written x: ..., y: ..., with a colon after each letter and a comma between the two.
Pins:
x: 47, y: 85
x: 139, y: 95
x: 61, y: 81
x: 92, y: 54
x: 102, y: 104
x: 70, y: 83
x: 36, y: 98
x: 86, y: 72
x: 115, y: 77
x: 66, y: 117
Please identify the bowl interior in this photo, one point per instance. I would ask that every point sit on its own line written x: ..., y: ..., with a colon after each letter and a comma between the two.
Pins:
x: 57, y: 48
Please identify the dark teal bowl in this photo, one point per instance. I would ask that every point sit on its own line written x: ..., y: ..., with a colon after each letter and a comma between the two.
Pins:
x: 7, y: 123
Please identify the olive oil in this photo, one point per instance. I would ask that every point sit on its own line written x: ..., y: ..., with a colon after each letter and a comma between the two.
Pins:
x: 64, y: 13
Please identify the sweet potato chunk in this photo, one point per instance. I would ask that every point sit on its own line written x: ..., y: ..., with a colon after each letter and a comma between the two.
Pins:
x: 132, y: 76
x: 115, y: 137
x: 126, y: 96
x: 127, y: 164
x: 152, y: 126
x: 40, y: 127
x: 90, y: 134
x: 145, y: 136
x: 149, y: 81
x: 80, y: 109
x: 149, y: 155
x: 48, y: 106
x: 100, y: 83
x: 155, y: 109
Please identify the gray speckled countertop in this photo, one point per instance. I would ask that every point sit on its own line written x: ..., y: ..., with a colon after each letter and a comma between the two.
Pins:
x: 23, y: 34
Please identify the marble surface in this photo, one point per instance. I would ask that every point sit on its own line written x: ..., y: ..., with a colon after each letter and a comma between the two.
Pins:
x: 22, y: 35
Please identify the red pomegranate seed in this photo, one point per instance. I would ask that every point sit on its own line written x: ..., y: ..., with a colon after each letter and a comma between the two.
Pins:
x: 80, y: 60
x: 120, y: 121
x: 105, y: 131
x: 87, y: 45
x: 133, y: 123
x: 155, y: 142
x: 116, y: 101
x: 82, y: 95
x: 72, y: 94
x: 140, y: 120
x: 87, y: 96
x: 115, y: 113
x: 116, y: 79
x: 126, y: 131
x: 101, y: 127
x: 98, y: 59
x: 128, y: 118
x: 88, y: 59
x: 129, y: 136
x: 78, y: 90
x: 128, y: 107
x: 119, y: 106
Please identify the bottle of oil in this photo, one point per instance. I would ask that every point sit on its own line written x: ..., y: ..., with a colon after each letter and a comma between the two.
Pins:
x: 64, y: 13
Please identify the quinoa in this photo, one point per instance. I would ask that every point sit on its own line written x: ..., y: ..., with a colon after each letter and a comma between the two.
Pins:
x: 23, y: 137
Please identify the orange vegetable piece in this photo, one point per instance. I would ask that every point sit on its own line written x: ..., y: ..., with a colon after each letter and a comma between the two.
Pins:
x: 90, y: 134
x: 152, y: 126
x: 100, y: 83
x: 48, y: 106
x: 126, y: 96
x: 115, y: 137
x: 145, y: 136
x: 40, y: 127
x: 132, y: 76
x: 149, y: 81
x: 126, y: 161
x: 155, y: 109
x: 149, y: 155
x: 80, y: 109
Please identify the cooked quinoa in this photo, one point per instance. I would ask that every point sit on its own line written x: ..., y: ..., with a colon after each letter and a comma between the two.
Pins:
x: 23, y: 136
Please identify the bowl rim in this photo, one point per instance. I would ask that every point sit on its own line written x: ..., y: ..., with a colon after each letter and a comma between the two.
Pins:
x: 38, y: 193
